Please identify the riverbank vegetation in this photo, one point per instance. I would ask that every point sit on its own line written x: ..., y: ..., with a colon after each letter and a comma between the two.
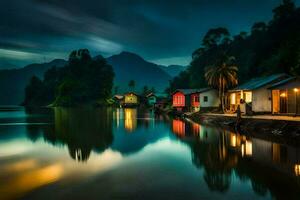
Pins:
x: 272, y: 47
x: 83, y: 80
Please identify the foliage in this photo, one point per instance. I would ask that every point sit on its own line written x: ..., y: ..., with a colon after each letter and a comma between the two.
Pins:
x: 222, y: 76
x: 82, y: 80
x: 268, y: 48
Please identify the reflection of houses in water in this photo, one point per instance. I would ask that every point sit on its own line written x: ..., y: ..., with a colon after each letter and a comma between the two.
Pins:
x: 241, y: 144
x: 130, y: 119
x: 281, y: 157
x: 184, y: 128
x: 178, y: 127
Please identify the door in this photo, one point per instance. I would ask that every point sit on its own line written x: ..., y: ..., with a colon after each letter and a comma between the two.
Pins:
x: 283, y: 101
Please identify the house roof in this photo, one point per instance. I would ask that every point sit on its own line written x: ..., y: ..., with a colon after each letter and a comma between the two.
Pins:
x: 191, y: 91
x: 127, y: 93
x: 288, y: 83
x: 117, y: 96
x: 151, y: 94
x: 259, y: 82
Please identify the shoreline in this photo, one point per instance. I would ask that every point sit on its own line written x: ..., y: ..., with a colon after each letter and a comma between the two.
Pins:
x: 281, y: 131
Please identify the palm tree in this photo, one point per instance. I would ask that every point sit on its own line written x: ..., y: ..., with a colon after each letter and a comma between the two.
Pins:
x: 222, y: 76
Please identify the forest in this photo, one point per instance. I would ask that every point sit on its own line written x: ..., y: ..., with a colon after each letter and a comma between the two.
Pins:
x: 270, y: 47
x: 83, y: 80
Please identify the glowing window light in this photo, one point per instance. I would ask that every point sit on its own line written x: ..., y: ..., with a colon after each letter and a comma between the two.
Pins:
x: 297, y: 169
x: 296, y: 90
x: 248, y: 146
x: 233, y: 140
x: 283, y: 94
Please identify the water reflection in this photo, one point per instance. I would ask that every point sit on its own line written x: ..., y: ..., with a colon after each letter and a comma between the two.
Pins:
x: 221, y: 159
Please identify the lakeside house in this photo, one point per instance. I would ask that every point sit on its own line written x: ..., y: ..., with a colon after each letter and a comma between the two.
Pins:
x: 209, y: 99
x: 131, y: 99
x: 151, y: 99
x: 195, y: 99
x: 285, y: 96
x: 186, y: 99
x: 254, y: 95
x: 119, y: 99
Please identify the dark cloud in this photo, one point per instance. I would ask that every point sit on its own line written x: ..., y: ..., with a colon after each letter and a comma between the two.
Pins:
x: 164, y: 31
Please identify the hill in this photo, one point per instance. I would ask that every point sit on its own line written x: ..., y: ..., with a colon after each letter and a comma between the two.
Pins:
x: 129, y: 66
x: 14, y: 81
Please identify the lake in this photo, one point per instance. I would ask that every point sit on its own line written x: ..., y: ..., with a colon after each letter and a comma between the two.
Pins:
x: 68, y: 153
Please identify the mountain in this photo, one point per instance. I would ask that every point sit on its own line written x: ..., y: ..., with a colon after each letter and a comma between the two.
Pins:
x: 14, y: 81
x: 129, y: 66
x: 173, y: 70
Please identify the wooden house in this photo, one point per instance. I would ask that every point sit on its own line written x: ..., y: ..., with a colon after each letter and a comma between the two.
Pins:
x: 285, y: 96
x: 151, y: 99
x: 254, y: 94
x: 131, y: 99
x: 185, y: 99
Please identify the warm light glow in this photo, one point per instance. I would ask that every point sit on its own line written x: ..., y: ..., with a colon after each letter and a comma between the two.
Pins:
x: 248, y: 146
x: 130, y: 119
x: 232, y: 140
x: 196, y: 129
x: 283, y: 94
x: 31, y: 180
x: 248, y: 97
x: 296, y: 90
x: 178, y: 127
x: 297, y: 169
x: 233, y: 98
x: 242, y: 150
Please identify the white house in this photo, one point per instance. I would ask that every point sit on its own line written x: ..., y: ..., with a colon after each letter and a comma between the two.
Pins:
x: 209, y: 99
x: 255, y: 94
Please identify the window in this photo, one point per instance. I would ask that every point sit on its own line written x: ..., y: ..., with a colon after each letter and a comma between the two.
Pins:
x: 205, y: 98
x: 196, y: 99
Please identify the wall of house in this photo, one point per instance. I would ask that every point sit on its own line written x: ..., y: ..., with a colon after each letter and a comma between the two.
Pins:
x: 212, y: 99
x: 178, y: 99
x: 152, y: 100
x: 261, y: 100
x: 131, y: 99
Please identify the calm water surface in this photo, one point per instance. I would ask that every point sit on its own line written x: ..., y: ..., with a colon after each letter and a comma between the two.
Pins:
x: 133, y: 154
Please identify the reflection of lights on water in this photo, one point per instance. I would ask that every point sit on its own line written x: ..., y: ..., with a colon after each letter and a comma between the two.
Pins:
x: 297, y: 169
x: 29, y: 181
x: 196, y: 129
x: 232, y: 140
x: 178, y: 127
x: 248, y: 148
x: 130, y: 119
x: 118, y: 118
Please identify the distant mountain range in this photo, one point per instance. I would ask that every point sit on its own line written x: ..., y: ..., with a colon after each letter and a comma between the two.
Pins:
x: 127, y: 66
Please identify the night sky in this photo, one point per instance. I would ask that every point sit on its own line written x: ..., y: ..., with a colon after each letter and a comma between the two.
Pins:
x: 165, y: 32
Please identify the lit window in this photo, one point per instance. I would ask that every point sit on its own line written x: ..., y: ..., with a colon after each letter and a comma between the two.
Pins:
x: 248, y: 97
x: 232, y: 99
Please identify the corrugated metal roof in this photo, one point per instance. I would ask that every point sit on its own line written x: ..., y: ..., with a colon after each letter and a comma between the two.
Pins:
x: 259, y: 82
x: 289, y: 83
x: 191, y: 91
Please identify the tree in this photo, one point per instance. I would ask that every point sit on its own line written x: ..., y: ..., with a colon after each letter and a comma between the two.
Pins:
x: 215, y: 37
x: 145, y: 90
x: 131, y: 84
x: 35, y: 92
x: 284, y: 10
x: 82, y: 80
x: 222, y: 76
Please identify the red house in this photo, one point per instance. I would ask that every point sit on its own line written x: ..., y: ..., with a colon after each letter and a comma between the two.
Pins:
x: 186, y: 99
